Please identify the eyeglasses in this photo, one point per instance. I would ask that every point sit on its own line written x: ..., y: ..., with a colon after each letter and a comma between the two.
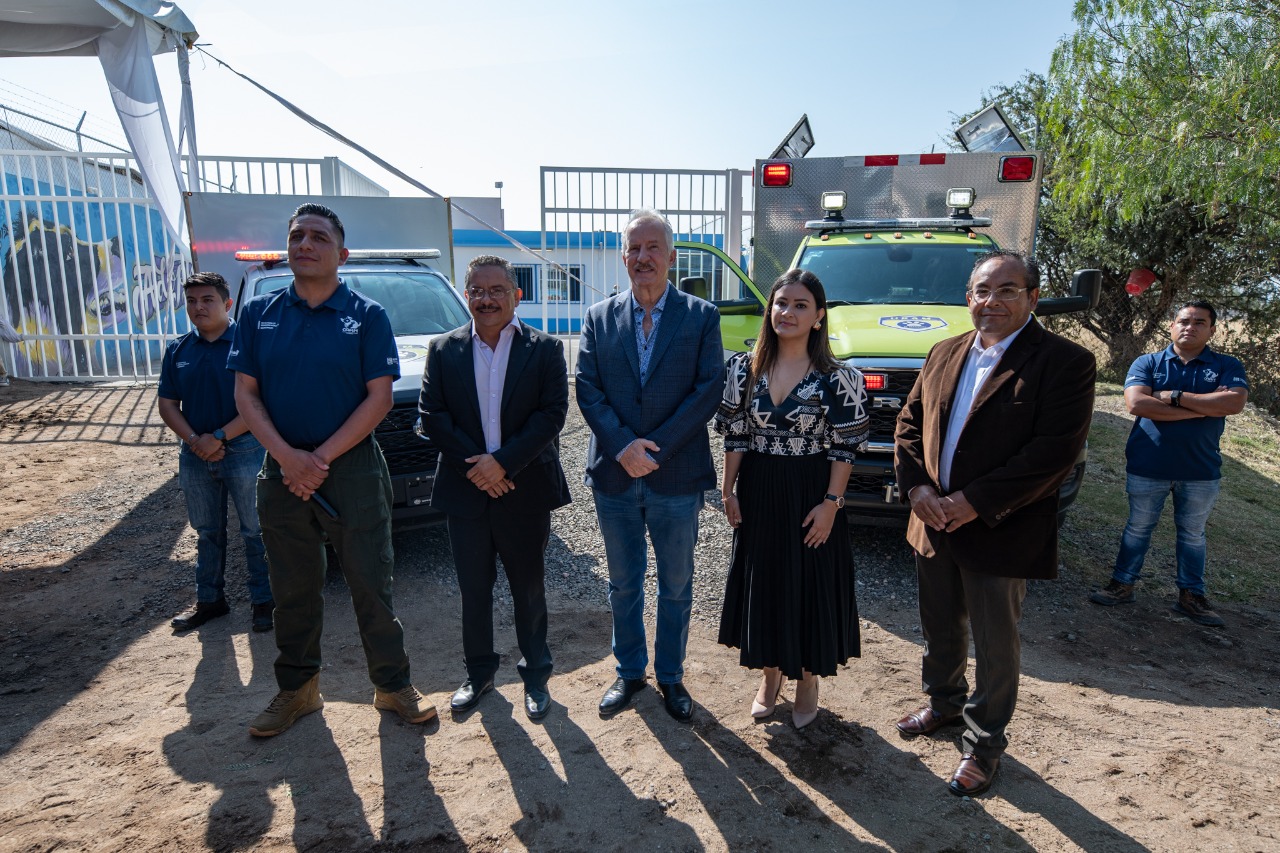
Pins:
x: 1002, y: 294
x: 494, y: 293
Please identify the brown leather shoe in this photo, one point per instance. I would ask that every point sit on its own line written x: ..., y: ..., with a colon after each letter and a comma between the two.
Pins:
x: 974, y: 775
x: 924, y: 721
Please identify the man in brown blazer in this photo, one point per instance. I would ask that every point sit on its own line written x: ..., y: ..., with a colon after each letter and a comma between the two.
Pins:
x: 988, y: 434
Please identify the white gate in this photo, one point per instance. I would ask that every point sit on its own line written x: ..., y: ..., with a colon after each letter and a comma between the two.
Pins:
x: 88, y: 272
x: 584, y: 211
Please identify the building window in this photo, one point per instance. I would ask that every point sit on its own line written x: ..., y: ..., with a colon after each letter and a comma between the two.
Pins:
x: 527, y: 281
x: 560, y: 290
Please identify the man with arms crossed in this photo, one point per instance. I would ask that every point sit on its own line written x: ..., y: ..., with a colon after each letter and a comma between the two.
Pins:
x: 315, y: 363
x: 219, y: 456
x: 988, y: 434
x: 1181, y: 397
x: 494, y: 398
x: 650, y: 375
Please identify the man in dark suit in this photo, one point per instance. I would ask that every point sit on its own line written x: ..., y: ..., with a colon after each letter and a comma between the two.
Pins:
x: 988, y: 434
x: 494, y: 398
x: 650, y: 375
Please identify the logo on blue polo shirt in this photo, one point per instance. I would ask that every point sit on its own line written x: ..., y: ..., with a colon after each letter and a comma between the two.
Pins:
x: 181, y: 364
x: 1210, y: 375
x: 350, y: 326
x: 267, y: 325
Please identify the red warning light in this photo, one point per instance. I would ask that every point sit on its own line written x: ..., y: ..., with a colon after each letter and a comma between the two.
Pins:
x: 776, y: 175
x: 875, y: 381
x: 1020, y: 168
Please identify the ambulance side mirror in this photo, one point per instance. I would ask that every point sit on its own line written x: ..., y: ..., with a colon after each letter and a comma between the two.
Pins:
x: 1086, y: 291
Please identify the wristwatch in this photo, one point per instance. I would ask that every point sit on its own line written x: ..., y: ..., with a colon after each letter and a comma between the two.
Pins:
x: 838, y: 500
x: 221, y: 435
x: 1175, y: 399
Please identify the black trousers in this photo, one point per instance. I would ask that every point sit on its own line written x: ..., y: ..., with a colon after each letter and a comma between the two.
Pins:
x: 520, y: 539
x: 953, y: 601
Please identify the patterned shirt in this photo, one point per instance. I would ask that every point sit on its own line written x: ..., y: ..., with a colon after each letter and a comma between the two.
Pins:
x: 823, y: 413
x: 644, y: 345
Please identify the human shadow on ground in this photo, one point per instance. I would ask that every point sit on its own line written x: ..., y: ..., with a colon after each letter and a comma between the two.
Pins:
x: 591, y: 808
x: 63, y: 624
x: 303, y: 764
x: 722, y: 769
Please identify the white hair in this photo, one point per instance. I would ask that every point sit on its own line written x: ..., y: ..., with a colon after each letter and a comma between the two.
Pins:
x: 644, y: 216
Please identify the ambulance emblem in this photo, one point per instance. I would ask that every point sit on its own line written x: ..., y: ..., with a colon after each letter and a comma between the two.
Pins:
x: 913, y: 323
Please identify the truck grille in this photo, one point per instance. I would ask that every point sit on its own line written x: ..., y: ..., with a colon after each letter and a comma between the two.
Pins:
x: 405, y: 451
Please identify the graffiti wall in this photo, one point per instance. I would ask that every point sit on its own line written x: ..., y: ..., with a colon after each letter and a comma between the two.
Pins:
x: 93, y: 283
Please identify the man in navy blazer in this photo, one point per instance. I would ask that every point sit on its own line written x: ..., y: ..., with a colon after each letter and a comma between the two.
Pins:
x: 650, y: 375
x: 494, y: 398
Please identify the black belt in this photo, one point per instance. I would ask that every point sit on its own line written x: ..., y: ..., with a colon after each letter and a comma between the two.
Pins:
x: 312, y: 448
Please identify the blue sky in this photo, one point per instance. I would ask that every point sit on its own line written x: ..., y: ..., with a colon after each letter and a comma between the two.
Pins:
x: 461, y: 95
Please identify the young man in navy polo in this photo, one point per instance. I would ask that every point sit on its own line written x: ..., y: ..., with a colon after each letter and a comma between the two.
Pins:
x: 219, y: 456
x: 1181, y: 397
x: 314, y: 368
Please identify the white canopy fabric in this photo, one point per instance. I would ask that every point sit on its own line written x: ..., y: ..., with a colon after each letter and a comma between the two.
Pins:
x: 123, y: 34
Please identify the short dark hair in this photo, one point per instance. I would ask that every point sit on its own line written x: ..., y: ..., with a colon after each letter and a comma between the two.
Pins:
x: 311, y: 208
x: 1202, y: 304
x: 208, y: 279
x: 1029, y: 265
x: 490, y: 261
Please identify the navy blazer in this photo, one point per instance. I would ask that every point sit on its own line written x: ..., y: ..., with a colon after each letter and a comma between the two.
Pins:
x: 535, y: 401
x: 686, y: 381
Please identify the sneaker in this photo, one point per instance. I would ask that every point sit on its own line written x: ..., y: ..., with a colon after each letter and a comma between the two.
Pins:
x: 1197, y: 608
x: 4, y: 381
x: 1113, y: 593
x: 405, y: 702
x: 201, y: 613
x: 263, y: 616
x: 287, y: 707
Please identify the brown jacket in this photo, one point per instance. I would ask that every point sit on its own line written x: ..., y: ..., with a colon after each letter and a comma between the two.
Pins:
x: 1024, y: 431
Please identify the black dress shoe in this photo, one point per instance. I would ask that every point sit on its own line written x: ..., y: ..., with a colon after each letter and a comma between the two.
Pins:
x: 537, y: 702
x: 264, y: 616
x: 678, y: 701
x: 468, y: 695
x: 200, y: 614
x: 618, y: 697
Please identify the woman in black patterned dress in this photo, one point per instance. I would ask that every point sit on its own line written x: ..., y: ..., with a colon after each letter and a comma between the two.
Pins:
x: 792, y: 417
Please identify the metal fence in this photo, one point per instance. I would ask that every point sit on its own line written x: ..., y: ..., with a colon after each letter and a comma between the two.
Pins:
x: 88, y: 272
x: 584, y: 211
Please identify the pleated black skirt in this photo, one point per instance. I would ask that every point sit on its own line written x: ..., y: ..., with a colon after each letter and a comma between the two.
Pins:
x: 787, y: 605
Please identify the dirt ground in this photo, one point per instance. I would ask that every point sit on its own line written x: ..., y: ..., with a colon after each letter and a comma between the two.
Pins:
x: 1135, y: 731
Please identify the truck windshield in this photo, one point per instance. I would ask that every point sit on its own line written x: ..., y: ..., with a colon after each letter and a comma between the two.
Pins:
x: 893, y: 274
x: 417, y: 303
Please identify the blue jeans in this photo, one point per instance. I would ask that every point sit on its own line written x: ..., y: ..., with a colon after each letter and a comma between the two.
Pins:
x: 206, y: 486
x: 1192, y: 502
x: 672, y: 522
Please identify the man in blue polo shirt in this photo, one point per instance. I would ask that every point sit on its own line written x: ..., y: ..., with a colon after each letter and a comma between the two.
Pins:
x: 1181, y: 398
x: 314, y: 367
x: 219, y: 456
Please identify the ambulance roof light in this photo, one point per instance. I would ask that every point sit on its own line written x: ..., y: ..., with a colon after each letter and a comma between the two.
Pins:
x: 961, y: 198
x: 834, y: 203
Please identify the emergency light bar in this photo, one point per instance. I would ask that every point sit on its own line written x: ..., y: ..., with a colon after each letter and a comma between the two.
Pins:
x: 897, y: 224
x: 352, y: 255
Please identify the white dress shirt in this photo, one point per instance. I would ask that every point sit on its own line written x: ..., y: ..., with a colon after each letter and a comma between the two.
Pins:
x: 978, y: 365
x: 491, y: 375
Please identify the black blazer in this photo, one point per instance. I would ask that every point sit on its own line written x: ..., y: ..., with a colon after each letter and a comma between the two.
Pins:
x: 535, y: 400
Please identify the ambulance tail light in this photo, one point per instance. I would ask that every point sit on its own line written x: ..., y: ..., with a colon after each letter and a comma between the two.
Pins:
x: 260, y: 256
x: 1017, y: 168
x: 776, y: 175
x: 875, y: 381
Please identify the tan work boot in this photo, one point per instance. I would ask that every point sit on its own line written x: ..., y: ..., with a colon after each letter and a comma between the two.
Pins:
x: 287, y: 707
x: 406, y: 702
